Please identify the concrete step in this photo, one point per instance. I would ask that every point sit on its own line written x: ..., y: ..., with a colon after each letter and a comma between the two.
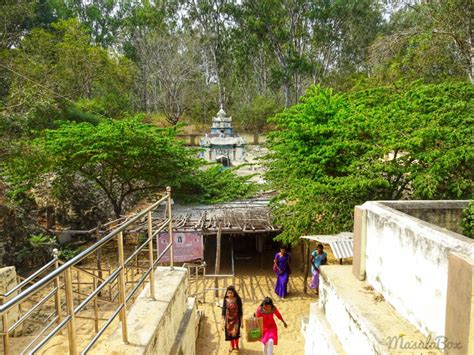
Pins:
x: 363, y: 322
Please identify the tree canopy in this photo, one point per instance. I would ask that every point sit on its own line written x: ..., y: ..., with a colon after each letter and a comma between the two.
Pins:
x: 334, y: 151
x: 123, y: 159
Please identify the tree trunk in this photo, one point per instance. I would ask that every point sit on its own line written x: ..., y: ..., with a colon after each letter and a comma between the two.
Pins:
x: 471, y: 40
x: 286, y: 92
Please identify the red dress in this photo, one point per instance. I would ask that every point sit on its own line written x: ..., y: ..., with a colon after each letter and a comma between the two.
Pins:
x: 270, y: 330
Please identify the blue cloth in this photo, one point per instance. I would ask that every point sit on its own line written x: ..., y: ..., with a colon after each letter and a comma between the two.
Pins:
x: 318, y: 259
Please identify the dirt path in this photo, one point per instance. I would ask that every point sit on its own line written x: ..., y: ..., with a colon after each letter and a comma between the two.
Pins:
x: 253, y: 287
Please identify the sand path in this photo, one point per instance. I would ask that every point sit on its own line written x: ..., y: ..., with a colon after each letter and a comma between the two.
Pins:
x: 253, y: 287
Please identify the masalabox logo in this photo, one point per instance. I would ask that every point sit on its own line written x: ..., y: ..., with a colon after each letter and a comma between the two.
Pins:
x: 439, y: 343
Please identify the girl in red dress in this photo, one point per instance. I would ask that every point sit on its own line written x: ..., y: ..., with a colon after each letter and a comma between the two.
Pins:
x: 267, y: 310
x: 232, y: 316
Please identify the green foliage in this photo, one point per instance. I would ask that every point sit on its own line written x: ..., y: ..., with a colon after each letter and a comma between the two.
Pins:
x: 37, y: 250
x: 334, y: 151
x: 467, y: 222
x: 123, y: 160
x: 68, y: 252
x: 426, y: 41
x: 253, y: 117
x: 217, y: 184
x: 56, y: 67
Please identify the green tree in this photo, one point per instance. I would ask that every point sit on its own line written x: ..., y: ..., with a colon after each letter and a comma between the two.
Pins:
x: 429, y: 40
x: 334, y: 151
x: 57, y: 72
x: 123, y: 159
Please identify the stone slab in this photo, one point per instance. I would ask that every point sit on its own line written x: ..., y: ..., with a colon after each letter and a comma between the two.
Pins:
x: 153, y: 325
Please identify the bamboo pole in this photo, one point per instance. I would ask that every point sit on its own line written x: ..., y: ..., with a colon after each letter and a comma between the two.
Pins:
x: 6, y: 335
x: 57, y: 295
x: 71, y: 326
x: 308, y: 251
x: 96, y: 307
x: 121, y: 286
x: 170, y: 227
x: 150, y: 256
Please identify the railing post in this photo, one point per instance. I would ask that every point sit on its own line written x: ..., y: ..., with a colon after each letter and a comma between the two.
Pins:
x: 71, y: 326
x: 6, y: 335
x: 96, y: 306
x: 57, y: 295
x: 170, y: 227
x: 121, y: 286
x: 150, y: 256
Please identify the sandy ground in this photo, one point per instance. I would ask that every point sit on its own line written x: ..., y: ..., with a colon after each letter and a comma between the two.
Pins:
x: 253, y: 287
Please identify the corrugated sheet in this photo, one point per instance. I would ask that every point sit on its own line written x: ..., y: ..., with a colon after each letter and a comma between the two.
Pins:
x: 341, y: 244
x: 342, y: 248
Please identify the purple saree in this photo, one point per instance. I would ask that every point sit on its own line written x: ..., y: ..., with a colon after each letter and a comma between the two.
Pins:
x: 282, y: 274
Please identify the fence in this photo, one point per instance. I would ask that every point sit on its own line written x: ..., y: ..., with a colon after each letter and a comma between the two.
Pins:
x: 57, y: 285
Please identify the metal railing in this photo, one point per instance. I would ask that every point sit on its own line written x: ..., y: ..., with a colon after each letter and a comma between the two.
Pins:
x: 67, y: 313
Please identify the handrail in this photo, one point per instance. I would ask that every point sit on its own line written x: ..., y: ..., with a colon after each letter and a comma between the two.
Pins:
x: 27, y: 280
x: 41, y: 283
x: 119, y: 276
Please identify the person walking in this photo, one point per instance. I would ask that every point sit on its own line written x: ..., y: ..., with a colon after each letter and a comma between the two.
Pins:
x: 267, y: 311
x: 232, y: 312
x: 318, y: 258
x: 281, y: 267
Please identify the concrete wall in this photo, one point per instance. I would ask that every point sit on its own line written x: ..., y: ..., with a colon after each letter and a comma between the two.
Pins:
x: 162, y: 326
x: 250, y: 139
x: 445, y: 214
x: 459, y: 328
x: 406, y: 260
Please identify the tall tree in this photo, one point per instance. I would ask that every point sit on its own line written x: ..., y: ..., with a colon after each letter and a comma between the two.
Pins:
x: 56, y: 70
x: 168, y: 67
x: 442, y: 30
x: 212, y: 22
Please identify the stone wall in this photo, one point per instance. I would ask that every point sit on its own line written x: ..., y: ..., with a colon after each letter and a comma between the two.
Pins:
x: 8, y: 280
x: 406, y: 260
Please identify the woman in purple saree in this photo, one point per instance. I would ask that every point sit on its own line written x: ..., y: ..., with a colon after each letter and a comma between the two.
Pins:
x: 281, y: 267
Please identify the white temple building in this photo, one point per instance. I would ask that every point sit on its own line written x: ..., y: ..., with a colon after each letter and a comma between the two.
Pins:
x: 221, y: 145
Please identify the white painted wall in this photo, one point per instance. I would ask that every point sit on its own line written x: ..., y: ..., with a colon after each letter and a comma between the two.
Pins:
x: 407, y: 261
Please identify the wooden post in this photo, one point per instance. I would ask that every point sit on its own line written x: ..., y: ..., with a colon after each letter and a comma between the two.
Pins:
x: 96, y: 306
x: 302, y: 251
x: 122, y: 289
x: 6, y: 334
x: 57, y: 295
x: 71, y: 326
x: 232, y: 256
x: 99, y: 257
x: 78, y: 283
x: 150, y: 256
x: 308, y: 251
x: 217, y: 269
x: 170, y: 227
